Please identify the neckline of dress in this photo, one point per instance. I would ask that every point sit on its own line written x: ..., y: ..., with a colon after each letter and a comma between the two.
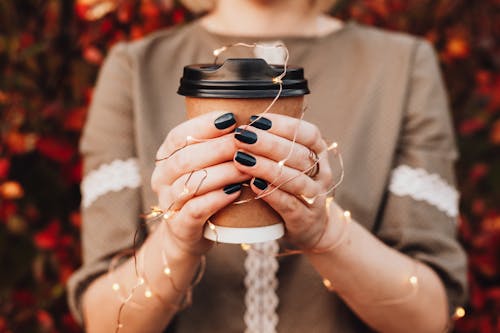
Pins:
x: 229, y: 39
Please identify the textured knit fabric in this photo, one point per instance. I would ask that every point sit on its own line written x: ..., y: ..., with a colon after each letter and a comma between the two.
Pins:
x: 378, y: 94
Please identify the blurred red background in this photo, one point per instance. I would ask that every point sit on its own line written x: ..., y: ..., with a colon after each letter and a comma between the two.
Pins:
x: 50, y: 52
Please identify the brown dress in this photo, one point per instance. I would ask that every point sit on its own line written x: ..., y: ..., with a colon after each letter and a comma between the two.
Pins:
x: 379, y: 94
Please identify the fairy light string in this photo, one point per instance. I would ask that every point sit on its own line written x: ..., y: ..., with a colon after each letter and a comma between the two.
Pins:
x: 155, y: 215
x: 310, y: 200
x: 346, y: 215
x: 281, y: 163
x: 158, y: 215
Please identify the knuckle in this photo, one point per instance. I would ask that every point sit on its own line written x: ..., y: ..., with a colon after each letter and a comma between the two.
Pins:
x: 315, y: 136
x: 161, y: 152
x: 155, y: 180
x: 282, y: 149
x: 174, y: 140
x: 302, y: 182
x: 164, y: 197
x: 328, y: 176
x: 171, y: 135
x: 326, y: 172
x: 322, y: 144
x: 220, y: 148
x: 295, y: 216
x: 304, y: 160
x: 194, y: 211
x: 290, y: 206
x: 312, y: 137
x: 174, y: 189
x: 277, y: 173
x: 179, y: 163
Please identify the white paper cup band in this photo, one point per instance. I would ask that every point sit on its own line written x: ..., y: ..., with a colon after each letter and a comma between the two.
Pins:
x: 243, y: 235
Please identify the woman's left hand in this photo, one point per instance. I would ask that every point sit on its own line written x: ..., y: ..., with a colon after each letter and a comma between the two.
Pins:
x: 260, y: 149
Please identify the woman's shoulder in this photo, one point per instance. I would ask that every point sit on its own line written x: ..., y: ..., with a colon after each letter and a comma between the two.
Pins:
x: 382, y: 48
x: 164, y: 41
x: 382, y: 39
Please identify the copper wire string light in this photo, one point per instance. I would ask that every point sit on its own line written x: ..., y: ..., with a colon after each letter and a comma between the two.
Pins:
x: 156, y: 214
x: 310, y: 200
x: 159, y: 215
x: 277, y: 79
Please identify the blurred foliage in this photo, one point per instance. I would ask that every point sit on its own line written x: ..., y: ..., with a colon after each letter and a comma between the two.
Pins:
x: 50, y: 52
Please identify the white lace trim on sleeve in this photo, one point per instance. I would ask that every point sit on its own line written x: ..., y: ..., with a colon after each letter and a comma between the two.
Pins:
x: 261, y: 284
x: 115, y: 176
x: 423, y: 186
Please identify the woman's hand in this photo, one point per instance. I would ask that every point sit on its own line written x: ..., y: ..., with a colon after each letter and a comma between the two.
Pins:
x: 195, y: 177
x: 261, y: 147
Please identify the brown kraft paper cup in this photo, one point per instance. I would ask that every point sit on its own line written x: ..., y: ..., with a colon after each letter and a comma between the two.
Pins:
x: 252, y: 221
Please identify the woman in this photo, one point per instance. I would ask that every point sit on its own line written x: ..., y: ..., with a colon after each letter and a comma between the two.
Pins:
x: 395, y: 268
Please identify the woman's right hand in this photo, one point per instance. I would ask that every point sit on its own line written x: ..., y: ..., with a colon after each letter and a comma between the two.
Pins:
x: 197, y: 179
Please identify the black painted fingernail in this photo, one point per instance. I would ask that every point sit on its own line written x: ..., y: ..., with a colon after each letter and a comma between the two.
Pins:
x: 231, y: 188
x: 245, y: 159
x: 245, y: 136
x: 261, y: 184
x: 262, y: 123
x: 224, y: 121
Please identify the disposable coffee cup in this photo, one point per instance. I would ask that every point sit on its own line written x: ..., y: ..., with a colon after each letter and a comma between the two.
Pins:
x: 245, y: 87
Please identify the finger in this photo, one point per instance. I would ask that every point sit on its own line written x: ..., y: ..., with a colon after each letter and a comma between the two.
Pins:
x: 302, y: 221
x: 274, y: 147
x: 193, y: 157
x: 187, y: 224
x: 203, y: 127
x: 306, y: 133
x: 288, y: 179
x: 198, y: 183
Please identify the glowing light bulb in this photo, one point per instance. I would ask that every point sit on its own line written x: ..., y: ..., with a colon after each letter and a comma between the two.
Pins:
x: 148, y: 293
x: 140, y: 281
x: 459, y: 312
x: 347, y: 214
x: 277, y: 79
x: 116, y: 286
x: 327, y: 283
x: 167, y: 270
x: 245, y: 246
x: 328, y: 203
x: 167, y: 215
x: 413, y: 280
x: 155, y: 212
x: 308, y: 200
x: 281, y: 163
x: 218, y: 51
x: 334, y: 146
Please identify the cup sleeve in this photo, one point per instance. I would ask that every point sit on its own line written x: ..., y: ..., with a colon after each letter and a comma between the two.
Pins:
x: 420, y: 211
x: 112, y: 178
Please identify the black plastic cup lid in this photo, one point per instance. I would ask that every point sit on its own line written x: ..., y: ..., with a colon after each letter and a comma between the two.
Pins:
x: 241, y: 78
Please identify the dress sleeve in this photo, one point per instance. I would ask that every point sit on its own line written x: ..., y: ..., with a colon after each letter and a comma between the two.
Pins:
x: 420, y: 213
x: 110, y: 186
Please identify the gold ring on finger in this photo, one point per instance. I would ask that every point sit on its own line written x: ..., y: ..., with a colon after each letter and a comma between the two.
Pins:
x: 313, y: 170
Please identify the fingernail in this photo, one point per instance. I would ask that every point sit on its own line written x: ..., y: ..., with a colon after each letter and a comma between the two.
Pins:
x: 262, y: 123
x: 261, y: 184
x: 245, y: 159
x: 245, y: 136
x: 225, y: 121
x: 231, y: 188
